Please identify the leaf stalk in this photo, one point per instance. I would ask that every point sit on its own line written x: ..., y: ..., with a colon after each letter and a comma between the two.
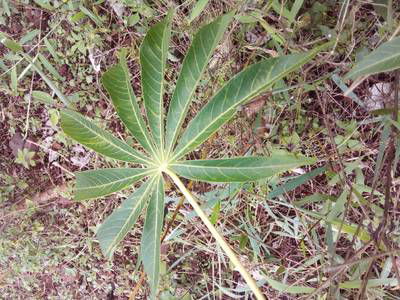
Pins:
x: 217, y: 236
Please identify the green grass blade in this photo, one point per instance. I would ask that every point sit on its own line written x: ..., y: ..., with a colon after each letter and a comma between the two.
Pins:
x: 153, y: 58
x: 151, y: 237
x: 384, y: 140
x: 194, y: 64
x: 43, y: 97
x: 95, y: 18
x: 50, y: 83
x: 117, y: 225
x: 14, y: 81
x: 49, y: 67
x: 9, y: 43
x: 118, y: 84
x: 97, y: 183
x: 280, y: 8
x: 197, y: 9
x: 240, y: 169
x: 356, y: 284
x: 88, y: 134
x: 290, y: 289
x: 295, y: 10
x: 339, y: 206
x: 294, y: 183
x: 383, y: 59
x: 242, y: 88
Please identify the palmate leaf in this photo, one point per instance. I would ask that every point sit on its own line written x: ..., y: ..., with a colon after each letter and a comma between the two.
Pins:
x: 238, y: 169
x: 153, y: 58
x: 97, y: 183
x: 383, y: 59
x: 193, y: 66
x: 240, y: 89
x: 151, y: 237
x: 118, y: 84
x: 88, y: 134
x: 118, y: 224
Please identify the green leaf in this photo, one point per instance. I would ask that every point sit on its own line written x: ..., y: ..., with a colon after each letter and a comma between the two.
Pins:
x: 50, y: 83
x: 29, y: 36
x: 215, y: 213
x: 14, y: 81
x: 151, y: 237
x: 294, y: 183
x: 91, y: 15
x: 239, y: 90
x: 295, y: 10
x: 43, y: 97
x: 87, y: 133
x: 51, y: 50
x: 339, y: 206
x: 356, y: 284
x: 97, y: 183
x: 44, y: 4
x: 194, y: 64
x: 117, y: 225
x: 9, y: 43
x: 383, y: 59
x: 281, y: 9
x: 153, y: 58
x: 384, y: 141
x: 118, y: 84
x: 6, y: 8
x: 238, y: 169
x: 49, y: 67
x: 290, y: 289
x: 197, y: 9
x: 352, y: 229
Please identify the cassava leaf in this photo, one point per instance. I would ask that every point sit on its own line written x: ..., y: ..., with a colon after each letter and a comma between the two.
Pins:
x: 97, y: 183
x: 383, y: 59
x: 238, y: 169
x: 118, y: 84
x: 87, y: 133
x: 151, y: 237
x: 153, y: 58
x: 117, y: 225
x: 197, y: 9
x: 240, y: 89
x: 194, y: 64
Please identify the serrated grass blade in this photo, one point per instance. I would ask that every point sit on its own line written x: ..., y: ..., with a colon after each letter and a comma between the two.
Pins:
x: 240, y: 169
x: 151, y: 237
x: 90, y: 135
x: 194, y: 64
x: 97, y: 183
x: 117, y: 225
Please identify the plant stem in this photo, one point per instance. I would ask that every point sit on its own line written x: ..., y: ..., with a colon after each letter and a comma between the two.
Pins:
x: 218, y: 237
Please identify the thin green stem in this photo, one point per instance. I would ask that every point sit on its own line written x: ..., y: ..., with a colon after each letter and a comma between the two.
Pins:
x: 218, y: 237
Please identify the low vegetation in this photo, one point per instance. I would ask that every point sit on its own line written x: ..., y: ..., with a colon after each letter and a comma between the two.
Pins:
x: 242, y: 149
